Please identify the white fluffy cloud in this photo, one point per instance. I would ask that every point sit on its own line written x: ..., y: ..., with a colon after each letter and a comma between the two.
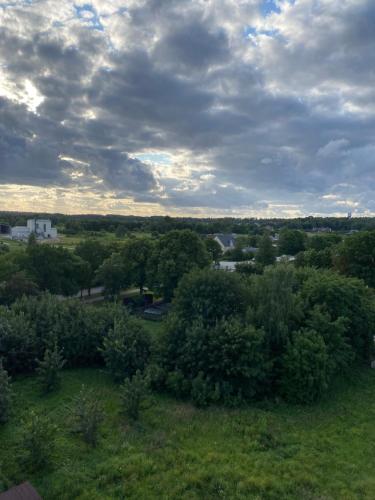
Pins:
x: 248, y: 107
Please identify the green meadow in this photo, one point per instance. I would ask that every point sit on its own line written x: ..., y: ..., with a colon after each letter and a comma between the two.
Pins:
x: 176, y: 451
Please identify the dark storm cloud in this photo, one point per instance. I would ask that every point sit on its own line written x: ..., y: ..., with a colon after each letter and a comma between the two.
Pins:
x: 285, y: 115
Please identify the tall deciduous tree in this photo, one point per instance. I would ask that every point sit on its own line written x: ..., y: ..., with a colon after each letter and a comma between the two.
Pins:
x: 356, y: 257
x: 266, y: 252
x: 136, y: 254
x: 175, y: 254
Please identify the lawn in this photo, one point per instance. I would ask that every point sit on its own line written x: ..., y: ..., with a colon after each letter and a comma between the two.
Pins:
x: 179, y: 452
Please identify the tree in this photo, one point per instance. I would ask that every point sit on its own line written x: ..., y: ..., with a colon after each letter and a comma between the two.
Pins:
x: 53, y: 268
x: 136, y: 254
x: 5, y: 394
x: 266, y: 252
x: 214, y: 249
x: 93, y: 252
x: 225, y: 362
x: 291, y: 241
x: 209, y: 296
x: 356, y: 257
x: 276, y: 308
x: 38, y: 441
x: 175, y: 254
x: 134, y: 394
x: 126, y: 349
x: 343, y: 297
x: 113, y: 275
x: 305, y: 368
x: 321, y: 242
x: 16, y: 286
x: 48, y: 369
x: 86, y: 415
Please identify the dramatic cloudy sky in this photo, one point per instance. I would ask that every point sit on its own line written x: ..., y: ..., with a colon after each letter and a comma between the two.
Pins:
x: 188, y: 107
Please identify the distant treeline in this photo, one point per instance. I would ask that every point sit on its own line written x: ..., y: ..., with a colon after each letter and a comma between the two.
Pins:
x: 76, y: 224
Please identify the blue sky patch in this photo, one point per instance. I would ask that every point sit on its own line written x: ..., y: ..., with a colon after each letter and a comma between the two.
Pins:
x: 87, y: 13
x: 269, y: 6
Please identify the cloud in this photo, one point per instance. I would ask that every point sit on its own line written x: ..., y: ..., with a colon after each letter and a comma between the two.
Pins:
x: 248, y: 107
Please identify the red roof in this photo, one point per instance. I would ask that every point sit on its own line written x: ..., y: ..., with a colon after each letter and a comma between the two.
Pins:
x: 22, y: 492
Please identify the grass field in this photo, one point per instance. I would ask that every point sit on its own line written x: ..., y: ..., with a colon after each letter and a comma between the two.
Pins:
x: 179, y: 452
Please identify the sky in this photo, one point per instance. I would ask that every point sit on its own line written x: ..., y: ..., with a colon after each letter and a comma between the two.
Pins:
x: 247, y: 108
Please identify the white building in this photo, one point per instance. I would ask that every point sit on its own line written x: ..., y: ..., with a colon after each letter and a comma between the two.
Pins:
x: 41, y: 227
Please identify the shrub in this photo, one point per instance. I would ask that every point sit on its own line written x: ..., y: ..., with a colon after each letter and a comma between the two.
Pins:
x: 126, y: 349
x: 225, y: 362
x: 48, y: 369
x: 38, y: 441
x: 134, y: 395
x: 5, y: 394
x: 87, y: 415
x: 305, y: 368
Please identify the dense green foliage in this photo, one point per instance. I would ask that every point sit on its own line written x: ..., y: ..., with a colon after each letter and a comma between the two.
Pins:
x: 356, y: 257
x: 32, y: 324
x: 291, y: 241
x: 266, y: 253
x: 229, y: 342
x: 5, y: 394
x: 175, y: 254
x: 126, y: 348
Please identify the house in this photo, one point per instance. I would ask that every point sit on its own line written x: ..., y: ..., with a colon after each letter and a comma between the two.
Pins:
x: 22, y: 492
x: 321, y: 230
x: 285, y: 258
x: 226, y: 241
x: 250, y: 249
x: 42, y: 228
x: 229, y: 266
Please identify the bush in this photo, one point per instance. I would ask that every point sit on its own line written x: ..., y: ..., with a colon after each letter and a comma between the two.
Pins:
x: 48, y: 369
x: 87, y: 415
x: 305, y: 368
x: 5, y: 394
x: 224, y: 362
x: 134, y: 395
x: 38, y: 441
x: 126, y: 349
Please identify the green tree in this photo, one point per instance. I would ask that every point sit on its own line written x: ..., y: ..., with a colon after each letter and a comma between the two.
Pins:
x: 136, y: 254
x: 86, y: 415
x: 5, y: 394
x: 113, y: 275
x: 175, y: 254
x: 226, y: 361
x: 49, y: 368
x: 266, y: 252
x: 16, y: 286
x: 305, y: 368
x: 356, y: 257
x: 213, y: 248
x: 126, y: 348
x: 93, y: 252
x: 291, y: 241
x: 321, y: 242
x: 208, y: 296
x: 53, y: 268
x: 134, y: 394
x: 38, y: 441
x: 274, y: 305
